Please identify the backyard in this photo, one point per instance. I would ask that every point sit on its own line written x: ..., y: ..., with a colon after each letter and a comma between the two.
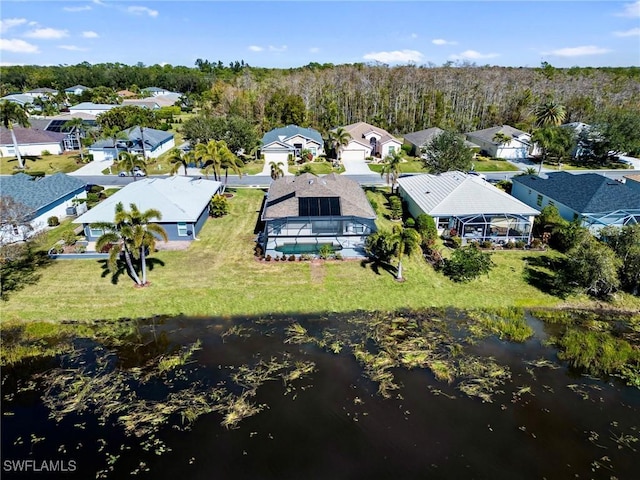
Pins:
x: 219, y: 275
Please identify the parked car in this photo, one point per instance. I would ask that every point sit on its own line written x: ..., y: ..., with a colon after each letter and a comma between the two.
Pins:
x: 137, y: 172
x: 477, y: 174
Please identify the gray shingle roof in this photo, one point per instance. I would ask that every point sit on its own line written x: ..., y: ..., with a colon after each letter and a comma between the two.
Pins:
x: 152, y: 138
x: 488, y: 133
x: 19, y: 98
x: 583, y: 193
x: 92, y: 106
x: 27, y: 136
x: 291, y: 131
x: 421, y: 137
x: 178, y: 198
x: 76, y: 87
x: 282, y: 199
x: 456, y: 193
x: 37, y: 193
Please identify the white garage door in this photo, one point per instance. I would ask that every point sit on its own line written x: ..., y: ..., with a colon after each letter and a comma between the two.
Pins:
x: 353, y: 155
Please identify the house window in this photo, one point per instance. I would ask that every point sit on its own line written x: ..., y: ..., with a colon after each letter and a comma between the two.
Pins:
x: 332, y: 227
x: 96, y: 232
x: 392, y: 149
x: 182, y: 229
x: 359, y: 228
x: 443, y: 223
x: 551, y: 204
x: 313, y: 151
x: 539, y: 201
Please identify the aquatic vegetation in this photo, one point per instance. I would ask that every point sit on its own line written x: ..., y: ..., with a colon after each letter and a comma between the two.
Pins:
x: 171, y: 362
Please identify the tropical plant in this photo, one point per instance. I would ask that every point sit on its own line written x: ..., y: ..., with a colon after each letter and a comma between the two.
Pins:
x: 395, y: 207
x: 130, y: 162
x: 405, y: 240
x: 230, y: 161
x: 467, y: 263
x: 212, y: 155
x: 76, y: 126
x: 11, y: 114
x: 555, y: 142
x: 131, y: 236
x: 391, y: 167
x: 426, y: 227
x: 501, y: 138
x: 625, y: 242
x: 218, y: 206
x: 277, y: 170
x: 336, y: 140
x: 447, y: 151
x: 549, y: 113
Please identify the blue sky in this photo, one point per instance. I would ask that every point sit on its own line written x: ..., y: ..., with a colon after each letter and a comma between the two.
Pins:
x: 294, y: 33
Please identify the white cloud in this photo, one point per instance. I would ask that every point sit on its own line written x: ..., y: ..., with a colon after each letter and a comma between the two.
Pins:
x: 47, y: 34
x: 9, y: 64
x: 396, y: 56
x: 77, y: 9
x: 473, y: 55
x: 314, y: 50
x: 277, y: 49
x: 72, y: 48
x: 90, y: 34
x: 142, y: 11
x: 577, y: 51
x: 414, y: 35
x: 255, y: 48
x: 630, y: 10
x: 634, y: 32
x: 9, y: 23
x: 442, y: 41
x: 17, y: 46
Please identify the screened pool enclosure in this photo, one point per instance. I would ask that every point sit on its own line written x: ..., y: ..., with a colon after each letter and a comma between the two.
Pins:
x: 496, y: 228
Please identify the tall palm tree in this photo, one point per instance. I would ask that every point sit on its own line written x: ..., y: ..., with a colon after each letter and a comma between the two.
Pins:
x: 131, y: 234
x: 13, y: 113
x: 406, y: 240
x: 76, y: 126
x: 212, y: 155
x: 230, y: 161
x: 336, y: 139
x: 549, y: 113
x: 178, y: 159
x: 129, y: 162
x: 501, y: 138
x: 277, y: 170
x: 391, y: 167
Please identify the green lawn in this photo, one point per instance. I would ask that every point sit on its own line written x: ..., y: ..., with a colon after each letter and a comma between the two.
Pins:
x: 219, y: 276
x: 414, y: 165
x: 48, y: 164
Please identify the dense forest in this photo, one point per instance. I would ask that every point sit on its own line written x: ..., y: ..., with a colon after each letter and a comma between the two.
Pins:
x: 401, y: 99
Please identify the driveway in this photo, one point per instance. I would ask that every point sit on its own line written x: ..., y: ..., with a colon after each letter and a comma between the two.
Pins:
x: 93, y: 168
x: 356, y: 167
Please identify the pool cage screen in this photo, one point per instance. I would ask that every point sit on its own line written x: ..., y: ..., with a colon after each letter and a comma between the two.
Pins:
x: 497, y: 228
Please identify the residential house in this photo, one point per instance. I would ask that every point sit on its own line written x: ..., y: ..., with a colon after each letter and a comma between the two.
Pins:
x: 58, y: 124
x: 503, y: 142
x: 467, y: 206
x: 126, y: 94
x: 19, y: 98
x: 91, y: 108
x: 415, y: 141
x: 156, y: 91
x: 280, y: 144
x: 76, y: 90
x: 53, y: 195
x: 42, y: 92
x: 368, y: 141
x: 305, y: 212
x: 182, y: 201
x: 156, y: 142
x: 31, y: 141
x: 593, y: 199
x: 149, y: 103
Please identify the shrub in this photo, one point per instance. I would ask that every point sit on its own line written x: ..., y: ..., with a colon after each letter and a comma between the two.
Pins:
x: 325, y: 251
x: 410, y: 223
x: 456, y: 242
x: 395, y: 207
x: 45, y: 153
x: 81, y: 249
x: 93, y: 197
x: 257, y: 251
x: 509, y: 245
x: 268, y: 258
x: 58, y: 249
x: 426, y: 227
x: 53, y: 221
x: 69, y: 238
x: 292, y: 258
x: 520, y: 244
x: 96, y: 188
x: 374, y: 205
x: 338, y: 256
x: 305, y: 257
x: 467, y: 263
x: 486, y: 244
x: 219, y: 206
x: 536, y: 243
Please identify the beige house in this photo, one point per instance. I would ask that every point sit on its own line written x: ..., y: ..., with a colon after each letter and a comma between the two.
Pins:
x: 368, y: 141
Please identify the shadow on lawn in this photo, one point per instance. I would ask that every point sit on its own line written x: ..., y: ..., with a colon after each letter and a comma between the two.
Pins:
x: 20, y: 269
x: 541, y: 273
x: 121, y: 269
x: 376, y: 265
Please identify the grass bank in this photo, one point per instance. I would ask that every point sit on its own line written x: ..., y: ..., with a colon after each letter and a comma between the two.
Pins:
x: 219, y: 276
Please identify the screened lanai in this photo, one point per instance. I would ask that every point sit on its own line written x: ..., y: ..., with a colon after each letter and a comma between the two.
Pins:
x: 619, y: 218
x: 497, y: 228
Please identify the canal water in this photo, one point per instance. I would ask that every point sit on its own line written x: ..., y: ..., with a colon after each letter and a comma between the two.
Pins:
x: 543, y: 420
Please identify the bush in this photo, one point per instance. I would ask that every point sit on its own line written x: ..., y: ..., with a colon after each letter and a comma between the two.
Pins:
x: 467, y: 263
x: 69, y: 238
x: 81, y: 249
x: 338, y: 256
x: 374, y: 205
x: 456, y: 242
x: 268, y: 258
x: 410, y: 223
x: 93, y: 197
x: 520, y: 244
x: 305, y: 257
x: 325, y: 251
x: 96, y: 188
x: 219, y: 206
x: 536, y: 243
x: 509, y: 245
x: 292, y: 258
x: 53, y: 221
x: 45, y: 153
x: 395, y: 206
x: 426, y: 227
x: 486, y: 244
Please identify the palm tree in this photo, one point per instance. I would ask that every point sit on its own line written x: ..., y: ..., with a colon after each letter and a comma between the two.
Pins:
x: 406, y: 240
x: 212, y: 154
x: 76, y: 125
x: 13, y: 113
x: 391, y: 167
x: 178, y: 159
x: 501, y: 138
x: 129, y: 162
x: 130, y: 236
x: 549, y: 113
x: 276, y: 170
x: 336, y: 139
x: 230, y: 161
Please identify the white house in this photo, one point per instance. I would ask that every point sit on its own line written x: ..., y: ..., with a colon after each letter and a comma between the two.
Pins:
x: 281, y: 143
x: 156, y: 142
x: 503, y: 142
x: 31, y: 141
x: 91, y: 108
x: 368, y: 141
x: 19, y: 98
x: 76, y: 90
x: 42, y: 92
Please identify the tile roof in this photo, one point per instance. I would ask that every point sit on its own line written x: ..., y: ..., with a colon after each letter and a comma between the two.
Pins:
x: 291, y: 131
x: 583, y: 193
x: 422, y: 137
x: 456, y: 193
x: 28, y: 136
x: 488, y: 133
x: 178, y: 198
x: 360, y: 129
x: 282, y: 199
x: 37, y: 193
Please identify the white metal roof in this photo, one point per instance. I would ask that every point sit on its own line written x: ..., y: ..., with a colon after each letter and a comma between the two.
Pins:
x: 179, y: 199
x: 456, y: 193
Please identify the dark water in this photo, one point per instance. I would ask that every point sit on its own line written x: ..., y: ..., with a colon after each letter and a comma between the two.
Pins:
x: 333, y: 424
